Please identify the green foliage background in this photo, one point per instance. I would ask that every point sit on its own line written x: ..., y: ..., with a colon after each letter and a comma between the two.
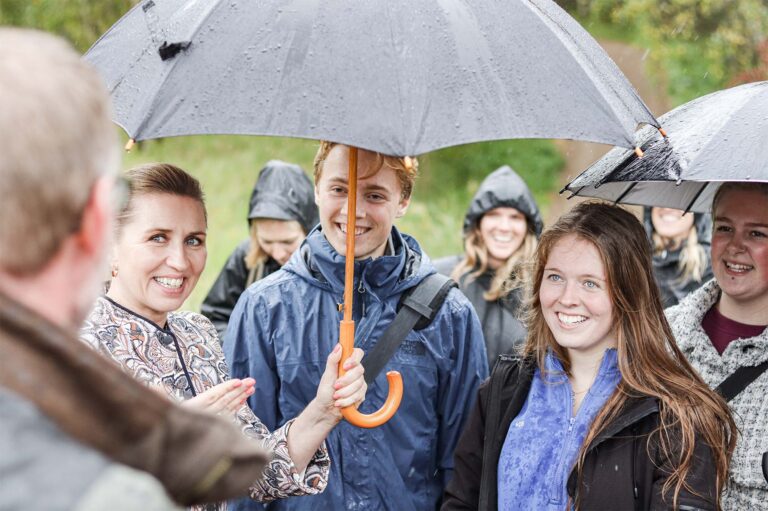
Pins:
x: 697, y: 46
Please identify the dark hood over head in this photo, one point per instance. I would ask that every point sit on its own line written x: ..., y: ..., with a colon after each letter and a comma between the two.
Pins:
x: 504, y: 188
x: 284, y: 192
x: 702, y: 222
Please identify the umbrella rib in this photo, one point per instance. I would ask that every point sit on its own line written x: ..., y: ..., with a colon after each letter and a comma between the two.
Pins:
x: 625, y: 192
x: 696, y: 197
x: 574, y: 194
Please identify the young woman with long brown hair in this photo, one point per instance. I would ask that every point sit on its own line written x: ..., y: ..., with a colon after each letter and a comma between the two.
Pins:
x: 601, y: 410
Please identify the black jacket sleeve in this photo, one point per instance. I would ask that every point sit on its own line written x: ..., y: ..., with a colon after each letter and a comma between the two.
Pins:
x: 463, y: 491
x: 226, y: 290
x: 701, y: 479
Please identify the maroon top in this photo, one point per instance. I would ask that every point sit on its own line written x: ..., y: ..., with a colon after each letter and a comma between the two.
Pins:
x: 721, y: 330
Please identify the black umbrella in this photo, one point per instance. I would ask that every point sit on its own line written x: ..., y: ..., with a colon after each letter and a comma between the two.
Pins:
x: 398, y: 77
x: 719, y: 137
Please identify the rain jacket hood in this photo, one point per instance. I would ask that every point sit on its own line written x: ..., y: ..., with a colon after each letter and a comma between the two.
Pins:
x: 503, y: 188
x: 283, y: 329
x: 284, y: 192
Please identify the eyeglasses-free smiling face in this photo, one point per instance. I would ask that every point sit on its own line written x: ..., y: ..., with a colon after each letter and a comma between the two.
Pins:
x: 379, y: 202
x: 574, y: 297
x: 740, y: 248
x: 671, y: 223
x: 159, y: 255
x: 503, y: 231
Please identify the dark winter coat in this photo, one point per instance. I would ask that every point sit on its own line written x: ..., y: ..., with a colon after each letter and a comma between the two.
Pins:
x: 283, y: 329
x: 282, y: 192
x: 230, y: 284
x: 618, y: 473
x: 502, y: 328
x: 666, y: 265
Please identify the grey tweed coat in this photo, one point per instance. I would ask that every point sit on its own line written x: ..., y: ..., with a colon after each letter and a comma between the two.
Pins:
x: 747, y: 487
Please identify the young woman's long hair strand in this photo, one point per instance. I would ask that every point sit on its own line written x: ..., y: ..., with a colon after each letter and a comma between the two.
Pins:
x: 651, y: 364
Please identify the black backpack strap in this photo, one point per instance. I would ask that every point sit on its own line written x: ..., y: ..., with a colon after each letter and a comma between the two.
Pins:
x: 417, y: 308
x: 740, y: 379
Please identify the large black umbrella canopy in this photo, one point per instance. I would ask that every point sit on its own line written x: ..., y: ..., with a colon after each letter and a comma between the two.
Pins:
x: 719, y: 137
x: 398, y: 77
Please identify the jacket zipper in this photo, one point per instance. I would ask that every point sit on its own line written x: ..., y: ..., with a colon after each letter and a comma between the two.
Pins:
x: 566, y: 441
x: 361, y: 290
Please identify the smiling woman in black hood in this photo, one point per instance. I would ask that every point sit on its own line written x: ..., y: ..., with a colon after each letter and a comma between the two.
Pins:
x: 281, y: 212
x: 501, y: 229
x: 680, y: 251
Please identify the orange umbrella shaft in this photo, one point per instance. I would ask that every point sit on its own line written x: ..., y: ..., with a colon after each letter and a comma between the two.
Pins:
x: 347, y: 327
x: 349, y: 270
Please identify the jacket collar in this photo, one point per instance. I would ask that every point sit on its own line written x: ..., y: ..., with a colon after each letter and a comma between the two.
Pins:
x: 693, y: 308
x: 635, y: 410
x: 317, y: 261
x: 694, y: 342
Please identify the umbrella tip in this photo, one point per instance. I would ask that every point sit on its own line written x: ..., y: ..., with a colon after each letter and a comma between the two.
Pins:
x: 408, y: 163
x: 129, y: 145
x: 639, y: 152
x: 663, y: 132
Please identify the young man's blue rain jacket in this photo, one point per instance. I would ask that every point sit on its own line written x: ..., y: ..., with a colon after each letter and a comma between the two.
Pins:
x: 281, y: 333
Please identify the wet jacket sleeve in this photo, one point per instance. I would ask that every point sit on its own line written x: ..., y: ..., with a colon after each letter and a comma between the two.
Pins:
x: 459, y: 379
x: 701, y: 479
x: 280, y: 478
x: 226, y: 290
x: 463, y: 491
x: 249, y: 353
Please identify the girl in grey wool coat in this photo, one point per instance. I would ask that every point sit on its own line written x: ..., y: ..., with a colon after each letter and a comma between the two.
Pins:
x: 723, y: 326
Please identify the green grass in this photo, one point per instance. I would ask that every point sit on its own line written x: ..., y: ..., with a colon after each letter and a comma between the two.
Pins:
x: 227, y: 167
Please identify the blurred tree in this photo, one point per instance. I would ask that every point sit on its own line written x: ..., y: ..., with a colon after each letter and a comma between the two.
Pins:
x: 80, y: 21
x: 701, y: 44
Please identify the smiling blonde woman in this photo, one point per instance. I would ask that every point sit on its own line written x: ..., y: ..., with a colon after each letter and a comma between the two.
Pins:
x: 501, y: 229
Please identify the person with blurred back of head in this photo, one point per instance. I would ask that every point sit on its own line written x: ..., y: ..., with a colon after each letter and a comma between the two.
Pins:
x: 74, y: 433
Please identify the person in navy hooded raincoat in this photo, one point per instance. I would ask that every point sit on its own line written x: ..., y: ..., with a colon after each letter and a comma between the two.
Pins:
x: 284, y: 326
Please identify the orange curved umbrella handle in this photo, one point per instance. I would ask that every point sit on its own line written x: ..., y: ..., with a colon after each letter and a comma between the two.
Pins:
x: 383, y: 414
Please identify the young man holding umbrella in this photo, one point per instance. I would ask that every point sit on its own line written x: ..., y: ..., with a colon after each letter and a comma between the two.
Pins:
x: 284, y: 325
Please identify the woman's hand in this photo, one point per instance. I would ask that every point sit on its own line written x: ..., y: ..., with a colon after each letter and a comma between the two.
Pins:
x: 334, y: 393
x: 223, y: 398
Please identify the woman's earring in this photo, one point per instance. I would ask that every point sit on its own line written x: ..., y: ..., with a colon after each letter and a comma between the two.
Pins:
x: 114, y: 272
